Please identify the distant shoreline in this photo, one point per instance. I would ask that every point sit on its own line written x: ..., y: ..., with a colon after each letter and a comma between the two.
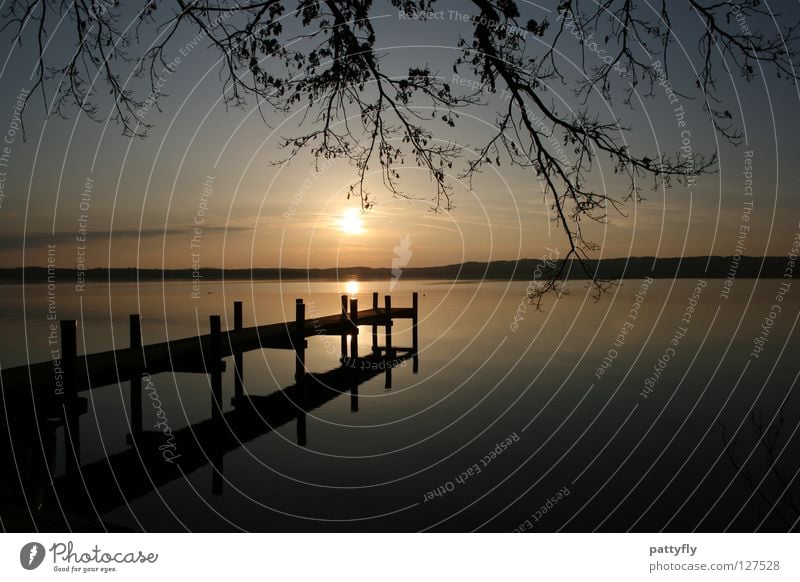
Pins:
x: 715, y: 267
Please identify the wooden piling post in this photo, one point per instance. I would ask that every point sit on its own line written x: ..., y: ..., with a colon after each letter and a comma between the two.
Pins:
x: 238, y: 357
x: 415, y: 331
x: 217, y: 482
x: 217, y: 470
x: 375, y: 349
x: 387, y: 375
x: 302, y: 439
x: 344, y: 321
x: 388, y: 307
x: 389, y: 351
x: 299, y: 339
x: 69, y: 363
x: 134, y: 322
x: 213, y: 365
x: 215, y: 453
x: 354, y: 321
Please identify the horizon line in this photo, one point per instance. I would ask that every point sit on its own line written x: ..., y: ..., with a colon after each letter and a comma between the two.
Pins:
x: 389, y: 268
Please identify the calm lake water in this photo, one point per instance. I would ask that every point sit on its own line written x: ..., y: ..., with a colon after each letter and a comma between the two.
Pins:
x: 631, y: 413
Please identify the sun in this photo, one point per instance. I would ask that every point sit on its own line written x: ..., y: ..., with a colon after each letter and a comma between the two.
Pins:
x: 350, y: 222
x: 351, y: 287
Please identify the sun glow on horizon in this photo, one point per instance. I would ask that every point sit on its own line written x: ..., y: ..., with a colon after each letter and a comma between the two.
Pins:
x: 351, y: 287
x: 350, y: 222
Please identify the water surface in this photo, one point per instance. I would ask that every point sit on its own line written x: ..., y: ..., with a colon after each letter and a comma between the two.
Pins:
x: 558, y: 420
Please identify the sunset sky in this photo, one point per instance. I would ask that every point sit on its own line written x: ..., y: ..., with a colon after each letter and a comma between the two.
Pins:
x: 146, y: 196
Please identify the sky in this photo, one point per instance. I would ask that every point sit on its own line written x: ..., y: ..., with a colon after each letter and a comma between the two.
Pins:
x: 203, y: 188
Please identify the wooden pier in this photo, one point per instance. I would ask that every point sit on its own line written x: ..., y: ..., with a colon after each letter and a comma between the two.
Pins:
x: 39, y: 398
x: 196, y: 354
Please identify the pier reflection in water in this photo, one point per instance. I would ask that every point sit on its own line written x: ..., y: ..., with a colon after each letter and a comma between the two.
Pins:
x: 38, y: 499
